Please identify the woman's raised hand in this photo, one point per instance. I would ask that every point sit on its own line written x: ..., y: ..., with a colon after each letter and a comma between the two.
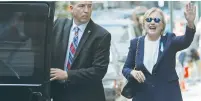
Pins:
x: 190, y: 14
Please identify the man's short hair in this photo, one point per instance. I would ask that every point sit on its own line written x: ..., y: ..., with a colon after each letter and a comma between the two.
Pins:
x: 73, y: 2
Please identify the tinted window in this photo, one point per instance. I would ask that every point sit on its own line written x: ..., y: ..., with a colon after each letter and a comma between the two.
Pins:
x: 23, y: 39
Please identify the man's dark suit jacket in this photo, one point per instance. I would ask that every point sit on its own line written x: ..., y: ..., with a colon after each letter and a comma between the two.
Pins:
x: 89, y: 65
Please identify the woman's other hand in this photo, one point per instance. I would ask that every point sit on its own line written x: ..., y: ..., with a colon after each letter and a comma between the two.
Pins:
x: 190, y: 14
x: 138, y: 75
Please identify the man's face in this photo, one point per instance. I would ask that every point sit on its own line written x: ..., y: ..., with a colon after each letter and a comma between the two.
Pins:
x: 81, y: 11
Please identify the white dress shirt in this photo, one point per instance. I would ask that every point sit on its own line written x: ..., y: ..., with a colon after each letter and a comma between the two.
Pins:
x: 151, y: 49
x: 82, y: 28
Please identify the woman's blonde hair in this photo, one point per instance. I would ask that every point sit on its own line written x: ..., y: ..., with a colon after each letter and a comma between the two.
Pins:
x: 154, y: 9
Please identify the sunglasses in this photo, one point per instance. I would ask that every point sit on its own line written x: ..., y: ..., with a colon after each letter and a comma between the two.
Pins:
x: 156, y: 20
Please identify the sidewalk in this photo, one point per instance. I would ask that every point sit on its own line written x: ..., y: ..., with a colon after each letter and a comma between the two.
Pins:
x: 192, y: 93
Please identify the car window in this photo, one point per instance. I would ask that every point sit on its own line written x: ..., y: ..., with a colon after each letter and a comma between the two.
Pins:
x: 23, y: 42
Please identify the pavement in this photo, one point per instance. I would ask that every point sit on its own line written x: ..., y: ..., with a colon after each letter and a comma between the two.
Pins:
x: 193, y: 92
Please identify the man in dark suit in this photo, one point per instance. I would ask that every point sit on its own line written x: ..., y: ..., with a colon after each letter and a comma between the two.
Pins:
x: 80, y: 56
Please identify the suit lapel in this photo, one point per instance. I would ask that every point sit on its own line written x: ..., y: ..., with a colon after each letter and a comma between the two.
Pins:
x: 162, y: 49
x: 87, y: 32
x: 65, y: 40
x: 141, y: 52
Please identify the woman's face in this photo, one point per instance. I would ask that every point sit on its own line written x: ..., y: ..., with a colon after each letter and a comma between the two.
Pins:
x: 153, y: 24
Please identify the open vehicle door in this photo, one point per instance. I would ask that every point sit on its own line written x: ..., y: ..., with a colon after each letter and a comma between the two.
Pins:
x: 25, y: 37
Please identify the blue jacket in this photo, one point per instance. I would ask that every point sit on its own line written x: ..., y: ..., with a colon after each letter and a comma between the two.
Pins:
x: 162, y: 84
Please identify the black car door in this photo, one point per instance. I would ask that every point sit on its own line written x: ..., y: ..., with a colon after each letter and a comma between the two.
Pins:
x: 25, y: 37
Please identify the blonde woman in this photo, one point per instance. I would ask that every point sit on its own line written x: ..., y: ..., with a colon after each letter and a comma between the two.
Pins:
x: 155, y: 75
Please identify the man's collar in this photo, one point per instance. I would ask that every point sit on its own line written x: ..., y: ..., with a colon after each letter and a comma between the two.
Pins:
x: 81, y: 27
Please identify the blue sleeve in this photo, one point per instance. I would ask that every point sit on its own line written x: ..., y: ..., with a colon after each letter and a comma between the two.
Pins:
x: 184, y: 41
x: 130, y: 61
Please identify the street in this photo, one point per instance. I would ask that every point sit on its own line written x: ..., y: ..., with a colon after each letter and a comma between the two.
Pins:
x: 192, y: 93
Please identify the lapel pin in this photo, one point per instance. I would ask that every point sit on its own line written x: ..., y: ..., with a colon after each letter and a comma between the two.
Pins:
x: 89, y: 31
x: 162, y: 48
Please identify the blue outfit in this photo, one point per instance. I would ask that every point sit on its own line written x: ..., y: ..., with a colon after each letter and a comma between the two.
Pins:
x: 162, y: 84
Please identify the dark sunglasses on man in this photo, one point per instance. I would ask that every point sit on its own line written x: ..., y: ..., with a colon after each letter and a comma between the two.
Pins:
x: 156, y: 20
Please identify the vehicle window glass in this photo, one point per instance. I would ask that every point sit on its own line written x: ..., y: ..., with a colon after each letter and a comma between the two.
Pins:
x: 23, y: 34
